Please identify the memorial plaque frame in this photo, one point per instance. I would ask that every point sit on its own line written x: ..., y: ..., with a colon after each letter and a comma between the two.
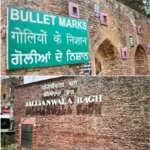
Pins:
x: 28, y: 134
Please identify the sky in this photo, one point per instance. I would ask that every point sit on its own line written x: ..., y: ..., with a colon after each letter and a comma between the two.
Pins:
x: 29, y: 79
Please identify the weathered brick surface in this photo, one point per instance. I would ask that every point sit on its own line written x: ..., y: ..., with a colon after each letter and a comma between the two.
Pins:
x: 5, y: 89
x: 105, y: 42
x: 119, y: 122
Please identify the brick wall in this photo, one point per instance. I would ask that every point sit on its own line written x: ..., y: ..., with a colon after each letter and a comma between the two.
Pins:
x: 105, y: 42
x: 5, y: 89
x: 120, y: 121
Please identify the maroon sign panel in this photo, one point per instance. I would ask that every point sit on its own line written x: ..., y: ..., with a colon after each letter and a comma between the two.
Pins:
x: 6, y: 110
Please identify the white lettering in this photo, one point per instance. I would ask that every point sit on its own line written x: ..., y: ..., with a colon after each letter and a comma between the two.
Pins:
x: 76, y: 56
x: 74, y: 23
x: 59, y: 102
x: 58, y: 55
x: 53, y: 19
x: 14, y: 14
x: 87, y: 99
x: 62, y: 101
x: 98, y: 98
x: 36, y: 104
x: 43, y: 103
x: 27, y: 105
x: 39, y: 104
x: 32, y: 57
x: 27, y: 36
x: 69, y: 23
x: 31, y: 19
x: 91, y: 99
x: 53, y: 86
x: 57, y: 37
x: 48, y: 102
x: 24, y: 16
x: 69, y: 101
x: 84, y: 26
x: 54, y: 102
x: 30, y: 104
x: 38, y: 19
x: 62, y: 22
x: 46, y: 19
x: 79, y: 100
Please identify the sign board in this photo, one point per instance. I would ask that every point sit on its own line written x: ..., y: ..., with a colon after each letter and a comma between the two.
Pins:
x: 26, y: 135
x: 6, y: 110
x: 4, y: 116
x: 38, y: 39
x: 87, y: 69
x: 131, y: 41
x: 97, y: 10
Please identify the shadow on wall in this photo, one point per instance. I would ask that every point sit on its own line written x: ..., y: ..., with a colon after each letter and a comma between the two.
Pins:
x: 108, y: 60
x: 89, y: 109
x: 49, y: 110
x: 141, y: 61
x: 58, y: 110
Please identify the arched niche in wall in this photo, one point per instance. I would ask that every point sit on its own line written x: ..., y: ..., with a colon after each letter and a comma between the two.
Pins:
x: 107, y: 59
x: 141, y: 61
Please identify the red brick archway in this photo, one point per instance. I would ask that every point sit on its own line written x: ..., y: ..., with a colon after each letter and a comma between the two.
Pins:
x: 108, y: 60
x: 141, y: 61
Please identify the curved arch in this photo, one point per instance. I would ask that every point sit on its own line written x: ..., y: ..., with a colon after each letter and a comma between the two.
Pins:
x: 108, y: 58
x: 28, y: 121
x: 141, y: 61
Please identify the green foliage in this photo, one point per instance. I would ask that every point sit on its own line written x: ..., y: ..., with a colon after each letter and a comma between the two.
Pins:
x: 4, y: 140
x: 11, y: 147
x: 139, y: 5
x: 7, y: 138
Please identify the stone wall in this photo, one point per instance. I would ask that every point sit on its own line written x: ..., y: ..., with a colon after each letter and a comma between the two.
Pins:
x: 119, y: 122
x: 105, y: 42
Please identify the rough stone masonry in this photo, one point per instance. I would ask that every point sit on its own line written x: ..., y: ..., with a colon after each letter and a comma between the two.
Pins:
x: 105, y: 41
x: 118, y: 120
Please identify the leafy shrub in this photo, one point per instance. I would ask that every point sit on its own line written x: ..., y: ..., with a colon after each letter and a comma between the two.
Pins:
x: 12, y: 147
x: 9, y: 147
x: 7, y: 139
